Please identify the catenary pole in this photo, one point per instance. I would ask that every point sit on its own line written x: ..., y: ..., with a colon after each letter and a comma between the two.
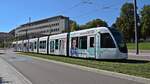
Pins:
x: 27, y: 37
x: 136, y: 29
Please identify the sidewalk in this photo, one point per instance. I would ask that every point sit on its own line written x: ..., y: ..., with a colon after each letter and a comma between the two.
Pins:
x: 140, y: 51
x: 143, y: 55
x: 9, y: 75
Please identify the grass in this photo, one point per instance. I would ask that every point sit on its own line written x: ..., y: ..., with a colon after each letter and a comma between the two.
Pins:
x: 142, y: 46
x: 131, y: 67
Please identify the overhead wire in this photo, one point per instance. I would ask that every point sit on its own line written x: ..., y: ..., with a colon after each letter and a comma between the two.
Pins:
x: 98, y: 7
x: 75, y: 5
x: 95, y: 10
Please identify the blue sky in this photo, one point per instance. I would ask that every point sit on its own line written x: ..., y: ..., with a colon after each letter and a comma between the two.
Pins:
x: 16, y: 12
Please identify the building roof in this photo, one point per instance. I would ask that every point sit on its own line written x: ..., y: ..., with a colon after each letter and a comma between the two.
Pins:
x: 42, y: 21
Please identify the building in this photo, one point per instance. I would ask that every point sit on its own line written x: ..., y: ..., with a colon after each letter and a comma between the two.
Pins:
x: 48, y: 26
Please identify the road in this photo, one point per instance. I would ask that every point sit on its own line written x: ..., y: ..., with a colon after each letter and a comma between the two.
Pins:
x: 42, y: 72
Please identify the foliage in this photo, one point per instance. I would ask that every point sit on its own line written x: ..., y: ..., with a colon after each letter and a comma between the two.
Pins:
x: 142, y: 46
x: 73, y: 26
x: 145, y: 21
x: 113, y: 25
x: 125, y: 23
x: 94, y: 23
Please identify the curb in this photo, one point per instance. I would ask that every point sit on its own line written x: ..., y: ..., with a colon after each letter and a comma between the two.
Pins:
x: 104, y: 72
x: 22, y: 78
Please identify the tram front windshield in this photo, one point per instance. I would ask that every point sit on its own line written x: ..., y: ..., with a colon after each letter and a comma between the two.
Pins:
x: 119, y: 40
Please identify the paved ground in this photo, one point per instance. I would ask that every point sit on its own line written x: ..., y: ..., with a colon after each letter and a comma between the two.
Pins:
x: 140, y: 51
x: 143, y: 55
x: 42, y: 72
x: 9, y: 75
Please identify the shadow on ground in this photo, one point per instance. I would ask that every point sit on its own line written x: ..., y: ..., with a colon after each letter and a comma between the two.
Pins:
x: 129, y: 61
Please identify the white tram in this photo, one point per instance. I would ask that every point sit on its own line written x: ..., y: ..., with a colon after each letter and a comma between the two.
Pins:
x: 57, y: 44
x: 97, y: 43
x: 33, y: 45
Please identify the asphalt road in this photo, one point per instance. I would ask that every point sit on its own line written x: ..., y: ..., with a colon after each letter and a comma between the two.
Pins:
x: 42, y: 72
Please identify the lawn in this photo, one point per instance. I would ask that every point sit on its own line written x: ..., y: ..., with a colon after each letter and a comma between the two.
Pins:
x: 142, y: 46
x: 131, y: 67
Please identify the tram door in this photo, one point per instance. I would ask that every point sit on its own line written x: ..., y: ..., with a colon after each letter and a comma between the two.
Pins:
x: 97, y: 46
x: 91, y: 47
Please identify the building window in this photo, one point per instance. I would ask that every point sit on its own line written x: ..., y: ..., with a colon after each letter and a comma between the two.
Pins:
x: 57, y: 29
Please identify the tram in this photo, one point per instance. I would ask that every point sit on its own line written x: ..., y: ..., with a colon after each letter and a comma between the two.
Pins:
x: 96, y: 43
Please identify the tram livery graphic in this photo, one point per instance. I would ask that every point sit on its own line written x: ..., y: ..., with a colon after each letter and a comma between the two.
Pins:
x: 97, y: 43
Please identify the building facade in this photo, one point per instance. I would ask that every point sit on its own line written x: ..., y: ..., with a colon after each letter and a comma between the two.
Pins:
x: 48, y: 26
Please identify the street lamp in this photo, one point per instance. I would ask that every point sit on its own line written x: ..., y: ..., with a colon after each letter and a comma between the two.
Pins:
x: 27, y: 37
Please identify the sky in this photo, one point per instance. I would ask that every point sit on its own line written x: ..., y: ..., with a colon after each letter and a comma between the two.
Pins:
x: 16, y: 12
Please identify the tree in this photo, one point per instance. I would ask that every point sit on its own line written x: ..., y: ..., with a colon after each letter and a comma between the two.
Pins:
x: 113, y: 25
x: 145, y: 21
x: 73, y: 26
x: 125, y: 23
x: 94, y: 23
x: 81, y: 27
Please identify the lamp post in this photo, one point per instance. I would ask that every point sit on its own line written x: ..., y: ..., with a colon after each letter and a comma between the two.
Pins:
x: 27, y: 37
x: 135, y: 25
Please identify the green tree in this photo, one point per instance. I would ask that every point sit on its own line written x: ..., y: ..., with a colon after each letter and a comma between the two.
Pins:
x: 145, y: 21
x: 125, y: 23
x: 73, y: 26
x: 81, y: 27
x: 113, y: 25
x: 94, y: 23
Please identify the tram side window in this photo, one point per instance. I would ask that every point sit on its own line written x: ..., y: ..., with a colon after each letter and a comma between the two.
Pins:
x: 60, y: 44
x: 35, y: 45
x: 83, y: 42
x: 74, y: 42
x: 51, y: 46
x: 42, y: 44
x: 25, y: 44
x: 56, y: 44
x: 107, y: 41
x: 31, y: 45
x: 91, y: 42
